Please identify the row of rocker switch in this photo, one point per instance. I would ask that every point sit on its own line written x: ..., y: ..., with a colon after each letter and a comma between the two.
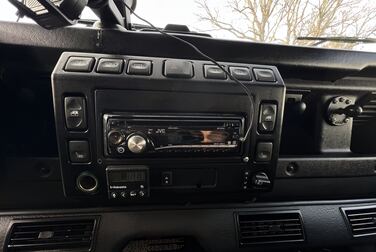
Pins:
x: 174, y: 68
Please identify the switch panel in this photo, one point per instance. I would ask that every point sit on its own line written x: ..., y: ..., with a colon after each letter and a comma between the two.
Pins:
x: 75, y: 113
x: 267, y: 118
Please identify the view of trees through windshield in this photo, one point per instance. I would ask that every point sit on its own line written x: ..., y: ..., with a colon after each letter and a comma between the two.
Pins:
x: 271, y: 21
x: 284, y: 21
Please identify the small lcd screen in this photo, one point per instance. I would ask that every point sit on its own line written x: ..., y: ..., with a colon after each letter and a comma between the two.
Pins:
x: 197, y: 137
x: 127, y: 176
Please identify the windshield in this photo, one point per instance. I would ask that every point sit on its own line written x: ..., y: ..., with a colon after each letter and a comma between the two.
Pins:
x: 293, y: 22
x: 269, y: 21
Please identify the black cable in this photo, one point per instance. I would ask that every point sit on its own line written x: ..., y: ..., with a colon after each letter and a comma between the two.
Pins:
x: 247, y: 91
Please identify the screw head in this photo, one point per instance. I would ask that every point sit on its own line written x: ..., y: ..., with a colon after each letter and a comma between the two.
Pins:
x: 291, y: 169
x: 246, y: 159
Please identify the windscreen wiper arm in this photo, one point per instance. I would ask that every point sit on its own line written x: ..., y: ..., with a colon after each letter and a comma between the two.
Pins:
x: 352, y: 40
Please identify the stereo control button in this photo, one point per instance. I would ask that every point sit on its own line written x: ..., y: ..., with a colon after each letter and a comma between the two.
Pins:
x: 141, y: 193
x: 115, y: 137
x: 120, y: 150
x: 136, y: 144
x: 133, y: 193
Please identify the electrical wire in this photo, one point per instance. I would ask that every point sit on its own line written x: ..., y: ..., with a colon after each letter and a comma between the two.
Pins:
x: 246, y: 90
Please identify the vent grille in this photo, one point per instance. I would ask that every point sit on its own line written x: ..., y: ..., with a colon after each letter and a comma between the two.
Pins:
x: 35, y: 235
x: 362, y: 221
x: 368, y: 104
x: 270, y: 228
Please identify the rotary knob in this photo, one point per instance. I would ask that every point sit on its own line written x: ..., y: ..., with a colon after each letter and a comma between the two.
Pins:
x: 115, y: 137
x: 137, y: 144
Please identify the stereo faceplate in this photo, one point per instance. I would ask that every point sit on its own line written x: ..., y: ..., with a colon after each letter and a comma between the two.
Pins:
x: 133, y: 135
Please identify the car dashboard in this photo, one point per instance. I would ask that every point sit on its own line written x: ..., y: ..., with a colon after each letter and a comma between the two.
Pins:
x: 129, y: 141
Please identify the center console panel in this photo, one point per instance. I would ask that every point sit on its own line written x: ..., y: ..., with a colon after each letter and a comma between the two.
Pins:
x: 155, y: 130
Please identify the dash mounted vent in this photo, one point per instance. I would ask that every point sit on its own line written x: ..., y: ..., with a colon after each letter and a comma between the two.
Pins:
x: 361, y: 220
x: 367, y: 103
x: 254, y: 228
x: 52, y: 234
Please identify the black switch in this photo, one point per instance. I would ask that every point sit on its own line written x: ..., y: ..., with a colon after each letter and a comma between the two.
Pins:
x: 264, y: 74
x: 264, y: 151
x: 267, y: 118
x: 139, y: 67
x: 166, y: 178
x: 75, y: 113
x: 79, y: 151
x: 214, y: 72
x: 79, y: 64
x: 110, y: 66
x: 178, y: 68
x: 241, y: 73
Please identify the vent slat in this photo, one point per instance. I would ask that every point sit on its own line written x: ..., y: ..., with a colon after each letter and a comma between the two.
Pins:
x: 364, y: 229
x: 277, y: 220
x: 362, y: 214
x: 368, y: 104
x: 270, y: 228
x: 51, y: 235
x: 294, y: 231
x: 271, y: 236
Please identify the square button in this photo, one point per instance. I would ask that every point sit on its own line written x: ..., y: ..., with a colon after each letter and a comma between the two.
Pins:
x: 110, y: 66
x: 241, y: 73
x: 214, y: 72
x: 267, y: 119
x: 139, y: 67
x: 75, y: 113
x: 264, y: 151
x: 79, y: 64
x: 79, y: 151
x: 178, y: 68
x: 264, y: 74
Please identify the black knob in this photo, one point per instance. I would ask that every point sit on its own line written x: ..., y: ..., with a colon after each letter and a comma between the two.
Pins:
x: 115, y: 137
x: 261, y: 179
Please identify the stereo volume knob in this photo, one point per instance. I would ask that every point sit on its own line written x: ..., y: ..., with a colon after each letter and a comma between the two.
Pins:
x: 137, y: 144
